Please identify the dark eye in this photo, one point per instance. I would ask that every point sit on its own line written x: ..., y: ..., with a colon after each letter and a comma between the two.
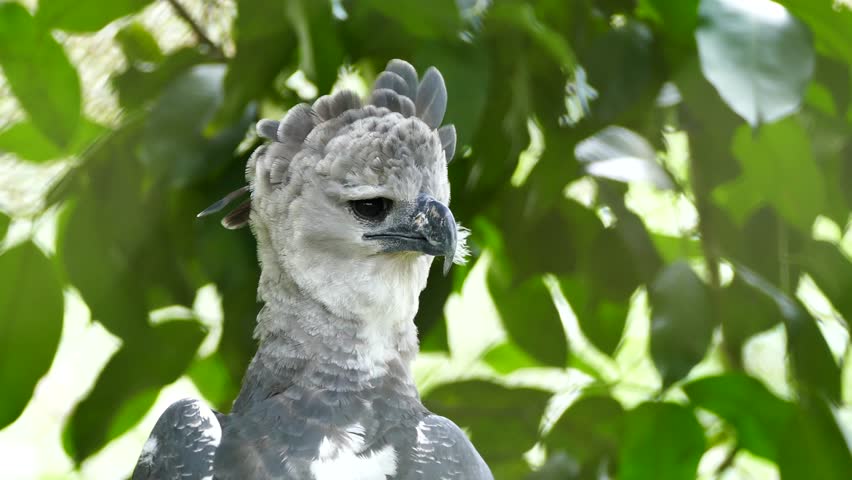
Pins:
x: 371, y: 208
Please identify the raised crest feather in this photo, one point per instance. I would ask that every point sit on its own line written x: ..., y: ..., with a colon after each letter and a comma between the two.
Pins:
x: 397, y: 89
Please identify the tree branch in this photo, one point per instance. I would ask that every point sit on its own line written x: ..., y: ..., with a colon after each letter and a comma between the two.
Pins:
x: 202, y: 37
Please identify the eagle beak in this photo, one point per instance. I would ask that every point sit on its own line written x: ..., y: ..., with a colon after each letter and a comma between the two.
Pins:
x: 428, y: 226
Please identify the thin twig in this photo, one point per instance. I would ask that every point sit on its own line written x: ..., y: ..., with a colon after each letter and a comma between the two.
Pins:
x: 196, y: 28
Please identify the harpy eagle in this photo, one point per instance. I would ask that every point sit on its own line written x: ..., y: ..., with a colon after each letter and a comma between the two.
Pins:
x: 349, y: 205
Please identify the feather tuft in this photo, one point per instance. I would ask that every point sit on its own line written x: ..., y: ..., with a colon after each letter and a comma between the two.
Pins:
x: 432, y: 98
x: 407, y: 73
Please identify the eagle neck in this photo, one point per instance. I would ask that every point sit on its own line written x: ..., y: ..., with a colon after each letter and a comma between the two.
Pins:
x: 304, y: 344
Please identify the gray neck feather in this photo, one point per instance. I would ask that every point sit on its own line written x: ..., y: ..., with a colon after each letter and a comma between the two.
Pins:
x: 304, y: 344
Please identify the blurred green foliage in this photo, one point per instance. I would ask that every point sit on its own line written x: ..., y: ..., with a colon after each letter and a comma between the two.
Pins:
x: 762, y: 90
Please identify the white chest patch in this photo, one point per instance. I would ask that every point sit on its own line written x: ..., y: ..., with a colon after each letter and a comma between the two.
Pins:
x: 345, y: 459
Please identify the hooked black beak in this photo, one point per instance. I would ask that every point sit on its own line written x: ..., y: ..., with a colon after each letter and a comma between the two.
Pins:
x: 427, y: 226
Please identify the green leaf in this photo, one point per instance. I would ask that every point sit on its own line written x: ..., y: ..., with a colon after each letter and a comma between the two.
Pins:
x: 532, y: 321
x: 31, y: 309
x: 137, y: 85
x: 813, y: 446
x: 320, y: 50
x: 24, y: 140
x: 146, y: 363
x: 616, y: 153
x: 4, y: 224
x: 523, y: 17
x: 778, y: 165
x: 439, y: 18
x: 101, y: 236
x: 39, y: 74
x: 832, y: 272
x: 743, y: 315
x: 214, y: 381
x: 662, y: 441
x: 621, y: 65
x: 503, y: 422
x: 590, y: 432
x: 507, y: 357
x: 430, y: 319
x: 814, y: 366
x: 602, y: 320
x: 84, y: 15
x: 681, y: 321
x: 466, y: 70
x: 259, y: 27
x: 758, y: 56
x: 174, y: 146
x: 830, y: 23
x: 759, y: 417
x: 679, y: 18
x: 138, y: 44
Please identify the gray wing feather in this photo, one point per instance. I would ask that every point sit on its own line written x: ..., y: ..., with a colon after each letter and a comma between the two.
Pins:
x: 442, y: 451
x: 182, y: 445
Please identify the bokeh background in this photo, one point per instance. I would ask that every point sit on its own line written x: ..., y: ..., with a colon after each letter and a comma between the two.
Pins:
x: 659, y: 193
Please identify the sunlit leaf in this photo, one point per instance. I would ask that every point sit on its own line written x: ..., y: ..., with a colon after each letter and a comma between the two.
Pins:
x: 778, y: 165
x: 138, y: 44
x: 136, y: 86
x: 507, y: 357
x: 31, y: 308
x: 589, y: 432
x: 601, y: 319
x: 24, y: 140
x: 619, y: 154
x: 743, y: 315
x: 156, y: 357
x: 4, y: 224
x: 832, y: 272
x: 758, y: 56
x: 830, y: 23
x: 681, y: 321
x: 532, y: 321
x: 759, y: 417
x: 84, y: 15
x: 214, y: 381
x: 39, y: 74
x: 814, y: 366
x: 662, y: 441
x: 503, y: 422
x: 813, y: 445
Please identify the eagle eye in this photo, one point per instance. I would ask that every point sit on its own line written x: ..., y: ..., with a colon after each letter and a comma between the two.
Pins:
x: 371, y: 208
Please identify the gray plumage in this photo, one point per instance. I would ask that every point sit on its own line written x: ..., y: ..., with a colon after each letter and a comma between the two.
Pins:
x: 349, y: 205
